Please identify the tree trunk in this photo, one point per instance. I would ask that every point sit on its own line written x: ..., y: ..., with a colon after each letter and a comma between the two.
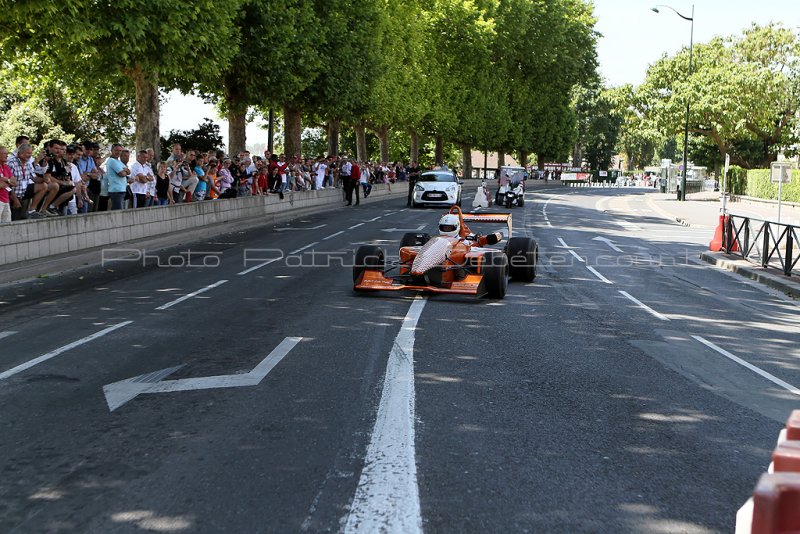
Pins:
x: 501, y: 159
x: 523, y: 158
x: 438, y: 154
x: 539, y: 162
x: 292, y: 131
x: 466, y: 155
x: 333, y: 137
x: 147, y: 110
x: 577, y: 155
x: 414, y: 145
x: 361, y: 142
x: 382, y: 133
x: 237, y: 116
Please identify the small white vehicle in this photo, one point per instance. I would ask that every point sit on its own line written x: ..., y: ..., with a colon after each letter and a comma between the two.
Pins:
x: 437, y: 187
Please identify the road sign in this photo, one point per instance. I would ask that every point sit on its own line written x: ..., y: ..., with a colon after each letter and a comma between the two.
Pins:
x: 780, y: 172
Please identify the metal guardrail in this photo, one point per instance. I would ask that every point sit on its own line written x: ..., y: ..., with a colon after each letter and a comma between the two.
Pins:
x: 765, y: 243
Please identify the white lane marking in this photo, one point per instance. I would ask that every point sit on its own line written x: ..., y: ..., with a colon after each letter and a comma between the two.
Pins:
x: 119, y: 393
x: 577, y: 256
x: 190, y: 295
x: 774, y: 379
x: 629, y: 226
x: 356, y: 226
x: 598, y: 275
x: 6, y: 334
x: 60, y: 350
x: 340, y: 232
x: 301, y: 249
x: 260, y: 265
x: 295, y: 228
x: 375, y: 218
x: 387, y: 496
x: 644, y: 306
x: 544, y: 210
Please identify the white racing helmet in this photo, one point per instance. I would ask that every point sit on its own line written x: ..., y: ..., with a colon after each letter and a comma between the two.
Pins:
x: 449, y: 225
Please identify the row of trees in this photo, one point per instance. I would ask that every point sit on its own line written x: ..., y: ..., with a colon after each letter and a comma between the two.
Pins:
x: 486, y: 74
x: 744, y: 95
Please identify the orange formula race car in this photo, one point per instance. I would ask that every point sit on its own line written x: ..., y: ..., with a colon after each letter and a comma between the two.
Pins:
x: 455, y: 261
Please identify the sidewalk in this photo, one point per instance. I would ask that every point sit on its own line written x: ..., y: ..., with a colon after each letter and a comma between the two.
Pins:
x: 702, y: 210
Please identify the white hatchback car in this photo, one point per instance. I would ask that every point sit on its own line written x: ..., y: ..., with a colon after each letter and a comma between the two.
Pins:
x: 437, y: 187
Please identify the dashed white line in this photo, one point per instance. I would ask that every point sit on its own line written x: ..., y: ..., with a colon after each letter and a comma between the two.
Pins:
x: 60, y: 350
x: 193, y: 294
x: 644, y: 306
x: 598, y: 275
x: 260, y: 265
x: 387, y: 496
x: 356, y: 226
x: 577, y: 256
x: 340, y: 232
x: 6, y: 334
x: 772, y: 378
x: 563, y: 244
x: 301, y: 249
x: 375, y: 218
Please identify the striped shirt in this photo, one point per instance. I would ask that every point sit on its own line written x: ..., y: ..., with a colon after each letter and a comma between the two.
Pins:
x: 23, y: 172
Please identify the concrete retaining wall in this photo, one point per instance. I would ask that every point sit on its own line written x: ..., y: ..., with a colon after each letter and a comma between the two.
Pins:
x: 33, y: 239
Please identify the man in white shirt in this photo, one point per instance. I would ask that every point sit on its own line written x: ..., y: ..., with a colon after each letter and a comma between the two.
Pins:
x: 322, y: 170
x: 142, y: 176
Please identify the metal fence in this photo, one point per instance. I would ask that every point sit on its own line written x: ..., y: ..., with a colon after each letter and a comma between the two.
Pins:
x: 765, y: 243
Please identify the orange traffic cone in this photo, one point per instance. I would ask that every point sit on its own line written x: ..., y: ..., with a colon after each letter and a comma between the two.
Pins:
x: 716, y: 242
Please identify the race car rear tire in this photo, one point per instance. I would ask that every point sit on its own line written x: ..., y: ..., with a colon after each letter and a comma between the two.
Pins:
x: 495, y: 274
x: 414, y: 239
x: 523, y: 254
x: 367, y: 257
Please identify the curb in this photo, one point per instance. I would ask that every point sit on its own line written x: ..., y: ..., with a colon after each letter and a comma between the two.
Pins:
x: 757, y: 274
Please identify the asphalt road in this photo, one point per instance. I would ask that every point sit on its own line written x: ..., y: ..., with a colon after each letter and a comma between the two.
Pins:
x: 592, y: 400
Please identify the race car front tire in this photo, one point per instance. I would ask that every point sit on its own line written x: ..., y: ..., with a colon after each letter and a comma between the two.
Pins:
x: 495, y: 274
x: 414, y: 239
x: 523, y: 254
x: 521, y: 200
x: 367, y: 257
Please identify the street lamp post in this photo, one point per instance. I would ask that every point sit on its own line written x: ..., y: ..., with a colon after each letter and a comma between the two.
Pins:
x: 686, y: 127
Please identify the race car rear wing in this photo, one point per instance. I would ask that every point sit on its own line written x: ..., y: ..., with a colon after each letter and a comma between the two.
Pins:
x: 504, y: 218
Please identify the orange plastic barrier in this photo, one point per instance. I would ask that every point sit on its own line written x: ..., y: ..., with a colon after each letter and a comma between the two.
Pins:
x: 786, y: 457
x: 776, y: 504
x: 716, y: 243
x: 793, y: 426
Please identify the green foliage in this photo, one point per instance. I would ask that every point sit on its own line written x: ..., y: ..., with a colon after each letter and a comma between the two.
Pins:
x: 206, y: 137
x: 737, y: 180
x: 29, y: 118
x: 598, y: 126
x: 760, y: 186
x: 741, y: 90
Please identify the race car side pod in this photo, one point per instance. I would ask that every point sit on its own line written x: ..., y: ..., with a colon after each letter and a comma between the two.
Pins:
x: 775, y: 506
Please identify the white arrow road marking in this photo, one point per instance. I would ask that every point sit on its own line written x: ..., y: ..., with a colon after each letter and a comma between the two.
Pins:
x: 294, y: 228
x: 119, y: 393
x: 65, y: 348
x: 387, y: 497
x: 608, y: 242
x: 772, y: 378
x: 190, y: 295
x: 6, y: 334
x: 417, y: 229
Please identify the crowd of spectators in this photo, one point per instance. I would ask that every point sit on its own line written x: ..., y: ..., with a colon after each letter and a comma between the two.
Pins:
x: 64, y: 179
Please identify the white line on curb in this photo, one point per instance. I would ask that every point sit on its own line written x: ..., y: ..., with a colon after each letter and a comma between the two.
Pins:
x: 340, y: 232
x: 194, y: 294
x: 644, y: 306
x: 301, y: 249
x: 65, y: 348
x: 598, y: 275
x: 387, y: 496
x: 790, y: 388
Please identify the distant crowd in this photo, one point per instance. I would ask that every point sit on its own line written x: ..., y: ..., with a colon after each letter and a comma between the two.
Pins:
x: 65, y: 179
